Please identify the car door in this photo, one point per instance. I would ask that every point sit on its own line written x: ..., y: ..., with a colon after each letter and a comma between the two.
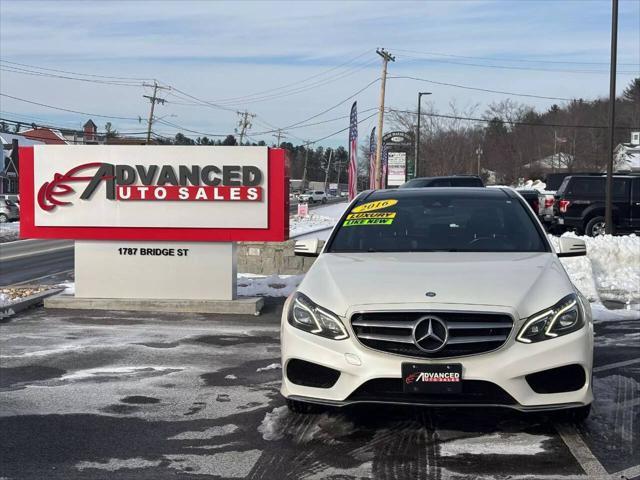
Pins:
x: 621, y: 194
x: 635, y: 203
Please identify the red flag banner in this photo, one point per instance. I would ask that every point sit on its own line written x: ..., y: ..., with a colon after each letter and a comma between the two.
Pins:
x: 372, y: 159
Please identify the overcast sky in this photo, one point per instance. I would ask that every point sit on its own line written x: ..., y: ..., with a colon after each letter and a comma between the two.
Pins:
x: 230, y: 52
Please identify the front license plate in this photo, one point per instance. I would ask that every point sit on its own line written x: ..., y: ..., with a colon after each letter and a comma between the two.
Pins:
x: 440, y: 378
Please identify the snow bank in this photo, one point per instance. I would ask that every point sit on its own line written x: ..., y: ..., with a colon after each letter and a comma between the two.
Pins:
x: 250, y: 285
x: 311, y: 223
x: 9, y: 231
x: 326, y: 428
x: 611, y: 269
x: 272, y: 366
x: 495, y: 444
x: 319, y: 219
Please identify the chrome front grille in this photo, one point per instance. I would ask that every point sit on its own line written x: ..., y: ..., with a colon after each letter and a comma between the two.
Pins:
x: 469, y: 332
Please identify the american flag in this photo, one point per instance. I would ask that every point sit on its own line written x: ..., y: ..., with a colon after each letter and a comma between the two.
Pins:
x: 372, y: 159
x: 385, y: 162
x: 353, y: 152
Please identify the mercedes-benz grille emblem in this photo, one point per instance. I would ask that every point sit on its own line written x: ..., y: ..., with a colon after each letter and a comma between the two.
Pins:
x: 430, y: 334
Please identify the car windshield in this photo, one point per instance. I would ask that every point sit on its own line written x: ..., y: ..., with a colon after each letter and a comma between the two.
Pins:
x: 438, y: 222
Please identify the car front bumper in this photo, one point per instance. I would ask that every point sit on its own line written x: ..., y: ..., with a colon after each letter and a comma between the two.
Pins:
x: 505, y: 367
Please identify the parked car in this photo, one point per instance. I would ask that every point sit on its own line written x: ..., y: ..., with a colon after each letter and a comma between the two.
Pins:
x: 9, y: 211
x: 450, y: 181
x: 313, y: 196
x: 547, y: 199
x: 438, y: 297
x: 580, y: 204
x: 532, y: 197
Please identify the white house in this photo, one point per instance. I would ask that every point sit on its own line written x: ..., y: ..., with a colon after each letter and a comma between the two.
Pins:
x: 627, y: 155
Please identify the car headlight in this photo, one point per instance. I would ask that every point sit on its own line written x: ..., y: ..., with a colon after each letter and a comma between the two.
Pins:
x: 564, y: 317
x: 307, y: 316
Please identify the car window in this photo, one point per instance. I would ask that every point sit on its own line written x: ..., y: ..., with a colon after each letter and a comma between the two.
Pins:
x: 440, y: 223
x: 467, y: 182
x: 586, y: 186
x: 442, y: 182
x: 621, y: 187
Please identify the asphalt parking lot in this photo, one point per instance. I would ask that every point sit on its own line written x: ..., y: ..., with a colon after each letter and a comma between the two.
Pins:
x: 121, y: 395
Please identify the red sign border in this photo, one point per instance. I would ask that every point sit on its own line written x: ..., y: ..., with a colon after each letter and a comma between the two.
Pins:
x: 278, y: 217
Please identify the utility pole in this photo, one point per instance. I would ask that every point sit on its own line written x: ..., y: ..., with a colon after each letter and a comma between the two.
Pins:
x: 608, y: 213
x: 306, y: 160
x: 153, y: 99
x: 244, y: 123
x: 479, y: 155
x: 326, y: 175
x: 386, y: 57
x: 279, y: 135
x: 415, y: 160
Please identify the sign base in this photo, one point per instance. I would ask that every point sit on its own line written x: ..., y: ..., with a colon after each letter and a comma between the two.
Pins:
x: 155, y: 270
x: 241, y: 306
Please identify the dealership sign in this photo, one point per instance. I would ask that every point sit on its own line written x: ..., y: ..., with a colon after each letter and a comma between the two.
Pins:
x: 160, y: 193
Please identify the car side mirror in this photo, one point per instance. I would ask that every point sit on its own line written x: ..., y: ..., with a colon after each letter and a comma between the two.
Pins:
x: 571, y: 247
x: 307, y: 248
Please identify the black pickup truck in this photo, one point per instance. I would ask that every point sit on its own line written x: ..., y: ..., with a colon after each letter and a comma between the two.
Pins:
x: 580, y: 204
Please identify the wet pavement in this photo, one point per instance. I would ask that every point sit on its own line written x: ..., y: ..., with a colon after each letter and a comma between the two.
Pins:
x: 121, y: 395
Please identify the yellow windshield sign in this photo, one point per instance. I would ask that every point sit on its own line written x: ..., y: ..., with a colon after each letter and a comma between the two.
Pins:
x: 377, y: 205
x: 358, y: 216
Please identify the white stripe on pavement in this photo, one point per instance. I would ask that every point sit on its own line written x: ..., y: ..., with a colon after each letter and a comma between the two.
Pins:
x: 580, y: 450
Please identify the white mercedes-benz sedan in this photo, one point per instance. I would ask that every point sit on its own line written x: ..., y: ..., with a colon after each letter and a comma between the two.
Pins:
x: 439, y: 297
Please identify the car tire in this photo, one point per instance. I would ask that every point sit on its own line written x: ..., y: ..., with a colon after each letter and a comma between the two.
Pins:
x: 3, y: 218
x: 297, y: 406
x: 595, y: 227
x: 324, y: 200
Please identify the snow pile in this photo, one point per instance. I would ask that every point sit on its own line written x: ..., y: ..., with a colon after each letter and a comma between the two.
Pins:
x: 250, y: 285
x: 326, y: 428
x: 272, y: 366
x: 603, y: 314
x: 311, y: 223
x: 495, y: 444
x: 9, y: 231
x: 532, y: 185
x: 611, y: 269
x: 320, y: 220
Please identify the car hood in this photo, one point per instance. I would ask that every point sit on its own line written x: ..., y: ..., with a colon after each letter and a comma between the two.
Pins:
x: 523, y: 283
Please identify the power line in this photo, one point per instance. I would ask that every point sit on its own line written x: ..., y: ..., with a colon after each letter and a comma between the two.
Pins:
x: 483, y: 89
x: 76, y: 73
x: 296, y: 82
x: 508, y: 122
x: 138, y: 119
x: 179, y: 127
x: 342, y: 117
x: 52, y: 75
x: 520, y: 60
x: 334, y: 106
x: 342, y: 129
x: 513, y: 67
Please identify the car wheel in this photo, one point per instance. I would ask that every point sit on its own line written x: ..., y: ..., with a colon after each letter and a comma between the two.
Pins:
x: 576, y: 415
x: 595, y: 227
x: 297, y: 406
x: 3, y: 218
x: 324, y: 200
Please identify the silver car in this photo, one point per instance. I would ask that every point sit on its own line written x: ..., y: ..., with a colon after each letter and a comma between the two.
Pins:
x: 9, y: 211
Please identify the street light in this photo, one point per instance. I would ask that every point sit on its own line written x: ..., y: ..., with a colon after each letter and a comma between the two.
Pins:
x: 415, y: 160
